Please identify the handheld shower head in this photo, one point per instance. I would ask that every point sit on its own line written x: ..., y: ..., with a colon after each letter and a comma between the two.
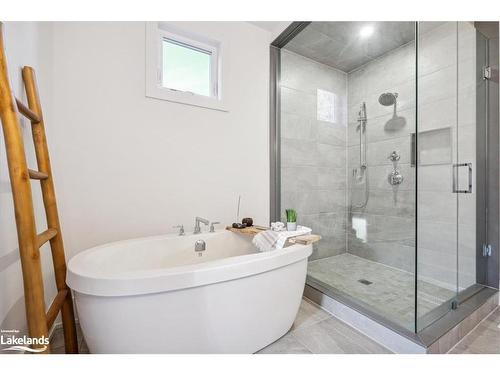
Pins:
x: 362, y: 112
x: 388, y: 98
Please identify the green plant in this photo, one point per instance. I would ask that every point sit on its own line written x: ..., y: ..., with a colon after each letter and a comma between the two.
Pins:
x: 291, y: 216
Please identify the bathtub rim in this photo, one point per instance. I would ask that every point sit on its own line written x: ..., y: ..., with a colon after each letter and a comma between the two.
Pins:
x: 171, y: 279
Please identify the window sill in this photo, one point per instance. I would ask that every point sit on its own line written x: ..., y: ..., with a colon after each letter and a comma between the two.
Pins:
x: 186, y: 98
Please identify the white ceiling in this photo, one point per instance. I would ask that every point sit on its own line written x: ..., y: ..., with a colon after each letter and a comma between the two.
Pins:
x: 266, y: 25
x: 340, y: 44
x: 274, y: 27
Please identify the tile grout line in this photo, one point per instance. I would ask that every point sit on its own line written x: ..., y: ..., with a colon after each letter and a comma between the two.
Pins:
x: 338, y: 332
x: 347, y: 324
x: 330, y: 315
x: 472, y: 330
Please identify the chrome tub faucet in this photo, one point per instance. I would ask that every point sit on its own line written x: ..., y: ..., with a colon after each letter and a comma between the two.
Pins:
x: 197, y: 222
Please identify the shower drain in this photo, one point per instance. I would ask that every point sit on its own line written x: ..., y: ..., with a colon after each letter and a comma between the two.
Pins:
x: 366, y: 282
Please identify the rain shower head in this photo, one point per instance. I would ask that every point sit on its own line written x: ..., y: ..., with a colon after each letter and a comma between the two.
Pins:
x: 388, y: 98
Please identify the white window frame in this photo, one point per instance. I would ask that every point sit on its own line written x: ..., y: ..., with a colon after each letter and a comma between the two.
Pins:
x: 196, y: 46
x: 156, y: 33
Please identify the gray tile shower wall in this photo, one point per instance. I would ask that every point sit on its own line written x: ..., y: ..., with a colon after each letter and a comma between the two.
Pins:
x: 320, y: 148
x: 313, y: 148
x: 447, y: 84
x: 384, y: 230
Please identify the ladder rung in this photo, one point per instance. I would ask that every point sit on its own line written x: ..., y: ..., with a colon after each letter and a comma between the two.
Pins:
x: 55, y: 307
x: 46, y: 236
x: 36, y: 175
x: 27, y: 112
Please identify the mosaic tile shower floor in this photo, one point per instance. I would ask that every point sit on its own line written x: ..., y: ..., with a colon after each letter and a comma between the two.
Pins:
x: 388, y: 291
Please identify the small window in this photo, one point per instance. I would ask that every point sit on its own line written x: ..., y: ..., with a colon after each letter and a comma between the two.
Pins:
x: 186, y: 67
x: 182, y: 67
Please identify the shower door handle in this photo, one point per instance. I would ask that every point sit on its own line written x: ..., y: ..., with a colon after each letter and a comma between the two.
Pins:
x: 469, y: 178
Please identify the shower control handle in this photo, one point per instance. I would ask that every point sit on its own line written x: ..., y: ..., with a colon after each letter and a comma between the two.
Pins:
x: 394, y: 156
x: 395, y: 178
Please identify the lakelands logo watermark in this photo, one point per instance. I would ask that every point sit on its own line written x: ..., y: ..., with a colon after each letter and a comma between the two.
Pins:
x: 22, y: 343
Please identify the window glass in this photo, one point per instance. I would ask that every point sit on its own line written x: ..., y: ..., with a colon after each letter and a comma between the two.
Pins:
x: 186, y: 68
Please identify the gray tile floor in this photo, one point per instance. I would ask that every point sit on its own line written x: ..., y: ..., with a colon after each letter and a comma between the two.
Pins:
x: 316, y: 331
x: 57, y: 341
x: 484, y: 339
x: 391, y: 292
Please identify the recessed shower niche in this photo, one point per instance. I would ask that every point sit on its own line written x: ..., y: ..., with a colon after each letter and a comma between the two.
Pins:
x: 377, y: 141
x: 435, y: 147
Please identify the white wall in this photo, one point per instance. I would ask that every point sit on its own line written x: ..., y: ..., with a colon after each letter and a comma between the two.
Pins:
x: 274, y: 27
x: 128, y: 166
x: 125, y: 165
x: 26, y: 43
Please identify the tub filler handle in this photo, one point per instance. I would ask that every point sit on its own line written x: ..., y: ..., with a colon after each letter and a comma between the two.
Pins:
x: 212, y: 227
x: 181, y: 229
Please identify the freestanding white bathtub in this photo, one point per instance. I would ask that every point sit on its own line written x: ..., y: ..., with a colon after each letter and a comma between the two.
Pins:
x: 157, y: 295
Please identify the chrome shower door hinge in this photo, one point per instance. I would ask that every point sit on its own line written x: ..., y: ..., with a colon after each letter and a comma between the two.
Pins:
x: 486, y: 250
x: 487, y: 72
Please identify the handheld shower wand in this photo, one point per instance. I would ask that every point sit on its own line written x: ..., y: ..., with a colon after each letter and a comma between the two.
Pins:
x: 360, y: 174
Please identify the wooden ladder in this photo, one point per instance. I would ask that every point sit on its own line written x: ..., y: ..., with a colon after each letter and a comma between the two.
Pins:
x: 39, y: 320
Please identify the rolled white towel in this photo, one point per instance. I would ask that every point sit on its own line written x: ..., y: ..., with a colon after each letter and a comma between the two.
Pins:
x: 271, y: 240
x: 278, y: 226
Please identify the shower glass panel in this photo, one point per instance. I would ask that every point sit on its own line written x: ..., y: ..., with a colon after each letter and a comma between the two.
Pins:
x: 437, y: 158
x: 446, y: 170
x: 383, y: 151
x: 347, y: 121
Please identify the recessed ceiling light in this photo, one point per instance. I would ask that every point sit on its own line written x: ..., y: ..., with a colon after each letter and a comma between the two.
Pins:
x: 366, y: 31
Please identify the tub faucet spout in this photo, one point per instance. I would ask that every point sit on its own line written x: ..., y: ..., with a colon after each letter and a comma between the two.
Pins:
x: 197, y: 222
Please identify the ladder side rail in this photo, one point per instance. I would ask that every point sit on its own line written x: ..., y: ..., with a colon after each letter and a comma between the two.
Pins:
x: 23, y: 206
x: 51, y: 212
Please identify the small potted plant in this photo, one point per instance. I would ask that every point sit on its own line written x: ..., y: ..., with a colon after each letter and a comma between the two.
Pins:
x: 291, y: 220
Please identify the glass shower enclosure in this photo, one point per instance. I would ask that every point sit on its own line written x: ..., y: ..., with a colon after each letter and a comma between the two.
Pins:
x: 378, y: 134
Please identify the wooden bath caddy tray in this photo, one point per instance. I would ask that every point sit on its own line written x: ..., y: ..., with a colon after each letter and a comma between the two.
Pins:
x: 305, y: 239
